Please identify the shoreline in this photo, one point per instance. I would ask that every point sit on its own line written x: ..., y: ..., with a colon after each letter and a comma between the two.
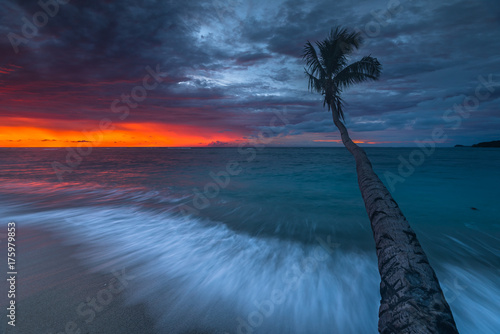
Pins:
x: 56, y: 294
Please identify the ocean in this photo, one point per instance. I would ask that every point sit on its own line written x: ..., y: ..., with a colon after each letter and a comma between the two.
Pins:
x: 262, y: 240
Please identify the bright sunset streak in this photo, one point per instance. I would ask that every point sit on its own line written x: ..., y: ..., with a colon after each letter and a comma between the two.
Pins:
x: 119, y: 135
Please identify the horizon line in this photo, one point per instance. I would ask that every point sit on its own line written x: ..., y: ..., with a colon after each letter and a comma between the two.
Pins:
x: 184, y: 147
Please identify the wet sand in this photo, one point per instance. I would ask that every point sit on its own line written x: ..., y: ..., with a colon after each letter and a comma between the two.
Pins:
x: 56, y: 294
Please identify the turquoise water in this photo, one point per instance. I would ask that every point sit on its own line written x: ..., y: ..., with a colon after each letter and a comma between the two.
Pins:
x: 245, y: 251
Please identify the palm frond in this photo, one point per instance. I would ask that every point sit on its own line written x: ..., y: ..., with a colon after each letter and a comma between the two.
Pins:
x: 337, y: 48
x: 314, y: 84
x: 347, y: 41
x: 368, y: 68
x: 312, y: 61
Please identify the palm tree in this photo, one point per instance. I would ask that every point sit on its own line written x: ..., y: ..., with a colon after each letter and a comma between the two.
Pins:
x: 412, y: 300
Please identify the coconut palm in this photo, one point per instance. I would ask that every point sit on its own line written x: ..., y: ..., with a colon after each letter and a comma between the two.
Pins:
x: 412, y: 300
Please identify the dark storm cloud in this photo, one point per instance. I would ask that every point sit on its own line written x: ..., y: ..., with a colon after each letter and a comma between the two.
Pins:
x: 229, y: 64
x: 103, y: 40
x: 252, y: 57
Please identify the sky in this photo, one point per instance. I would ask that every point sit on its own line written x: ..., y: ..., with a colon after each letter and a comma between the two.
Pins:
x: 229, y: 73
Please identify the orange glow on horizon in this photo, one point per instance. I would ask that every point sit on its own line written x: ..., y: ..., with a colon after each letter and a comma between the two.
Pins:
x: 27, y: 134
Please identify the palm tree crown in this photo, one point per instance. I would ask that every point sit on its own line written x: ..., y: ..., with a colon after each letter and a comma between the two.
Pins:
x: 329, y: 72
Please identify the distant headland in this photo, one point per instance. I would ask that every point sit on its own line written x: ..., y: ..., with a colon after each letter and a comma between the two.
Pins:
x: 495, y: 143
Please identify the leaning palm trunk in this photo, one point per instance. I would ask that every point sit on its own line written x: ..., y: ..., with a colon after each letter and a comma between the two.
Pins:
x: 412, y: 300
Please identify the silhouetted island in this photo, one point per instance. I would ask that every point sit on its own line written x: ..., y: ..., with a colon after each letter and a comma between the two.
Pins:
x: 495, y: 143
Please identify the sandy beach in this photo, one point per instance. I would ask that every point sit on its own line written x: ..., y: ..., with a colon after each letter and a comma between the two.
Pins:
x: 57, y: 294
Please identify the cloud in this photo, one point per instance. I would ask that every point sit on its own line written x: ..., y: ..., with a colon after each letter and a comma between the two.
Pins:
x: 252, y: 58
x: 229, y: 65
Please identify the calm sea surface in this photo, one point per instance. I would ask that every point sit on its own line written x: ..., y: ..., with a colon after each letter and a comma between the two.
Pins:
x: 271, y: 241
